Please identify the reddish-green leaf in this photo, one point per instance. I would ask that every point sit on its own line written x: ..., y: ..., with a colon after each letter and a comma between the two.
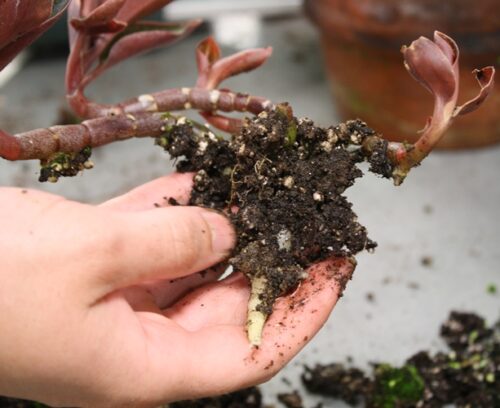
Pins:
x: 134, y: 10
x: 209, y: 50
x: 235, y: 64
x: 30, y: 24
x: 433, y: 64
x: 20, y: 17
x: 207, y: 53
x: 137, y: 39
x: 101, y: 19
x: 485, y: 77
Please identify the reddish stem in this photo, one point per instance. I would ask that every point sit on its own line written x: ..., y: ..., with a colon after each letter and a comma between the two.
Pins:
x: 174, y: 99
x: 137, y: 117
x: 225, y: 123
x: 10, y: 147
x: 42, y: 143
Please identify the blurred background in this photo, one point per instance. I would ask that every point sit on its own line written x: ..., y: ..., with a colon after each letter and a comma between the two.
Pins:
x: 438, y: 234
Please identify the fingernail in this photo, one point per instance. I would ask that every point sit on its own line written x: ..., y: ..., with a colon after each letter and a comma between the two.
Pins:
x: 223, y: 236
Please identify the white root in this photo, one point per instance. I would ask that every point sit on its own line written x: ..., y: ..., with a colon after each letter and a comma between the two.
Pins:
x: 256, y: 319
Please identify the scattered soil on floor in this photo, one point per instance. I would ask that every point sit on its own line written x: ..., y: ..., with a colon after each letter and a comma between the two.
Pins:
x: 427, y: 261
x: 247, y: 398
x: 468, y: 375
x: 335, y: 380
x: 16, y: 403
x: 291, y: 399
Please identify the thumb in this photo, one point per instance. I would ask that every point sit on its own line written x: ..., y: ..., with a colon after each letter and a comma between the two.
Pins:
x: 166, y: 243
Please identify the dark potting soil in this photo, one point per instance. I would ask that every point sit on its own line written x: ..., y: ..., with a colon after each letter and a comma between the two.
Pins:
x: 281, y: 181
x: 246, y: 398
x: 335, y: 380
x: 291, y: 399
x: 468, y: 375
x: 17, y: 403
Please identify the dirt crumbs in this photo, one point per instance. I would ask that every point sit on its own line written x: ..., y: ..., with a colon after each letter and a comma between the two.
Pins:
x: 468, y: 375
x: 427, y: 261
x: 15, y: 403
x: 281, y: 180
x: 291, y: 400
x: 247, y: 398
x: 334, y: 380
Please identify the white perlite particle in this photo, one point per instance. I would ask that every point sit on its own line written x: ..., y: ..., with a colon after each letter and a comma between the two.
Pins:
x: 317, y: 196
x: 326, y: 146
x: 288, y: 182
x: 284, y: 239
x: 202, y: 146
x: 148, y: 102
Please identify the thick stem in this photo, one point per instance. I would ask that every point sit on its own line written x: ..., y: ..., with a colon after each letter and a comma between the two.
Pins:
x: 172, y: 100
x: 224, y: 123
x: 405, y: 157
x: 138, y: 117
x: 10, y: 148
x: 42, y: 143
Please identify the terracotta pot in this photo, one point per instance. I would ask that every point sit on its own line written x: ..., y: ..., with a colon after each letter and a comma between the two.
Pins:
x: 361, y: 40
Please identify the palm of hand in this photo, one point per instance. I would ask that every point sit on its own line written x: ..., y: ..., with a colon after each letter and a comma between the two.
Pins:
x: 119, y: 326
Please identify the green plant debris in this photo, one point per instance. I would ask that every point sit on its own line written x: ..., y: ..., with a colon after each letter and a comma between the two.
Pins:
x: 473, y: 336
x: 396, y: 386
x: 291, y: 133
x: 65, y: 165
x: 491, y: 289
x: 162, y: 140
x: 490, y: 377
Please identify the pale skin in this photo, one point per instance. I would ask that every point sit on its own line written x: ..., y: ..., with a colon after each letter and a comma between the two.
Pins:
x: 101, y: 306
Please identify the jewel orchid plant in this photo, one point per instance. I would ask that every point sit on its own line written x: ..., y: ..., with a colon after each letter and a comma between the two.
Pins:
x: 102, y: 33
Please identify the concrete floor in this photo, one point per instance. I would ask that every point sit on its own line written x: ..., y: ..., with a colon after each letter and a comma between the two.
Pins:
x: 448, y: 210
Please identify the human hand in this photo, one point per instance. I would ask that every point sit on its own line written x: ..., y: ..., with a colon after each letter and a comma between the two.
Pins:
x: 90, y: 304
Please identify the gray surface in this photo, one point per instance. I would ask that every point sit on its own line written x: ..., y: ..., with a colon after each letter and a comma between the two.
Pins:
x: 462, y: 189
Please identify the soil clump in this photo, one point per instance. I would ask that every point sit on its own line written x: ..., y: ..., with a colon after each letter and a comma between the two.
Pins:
x: 281, y: 181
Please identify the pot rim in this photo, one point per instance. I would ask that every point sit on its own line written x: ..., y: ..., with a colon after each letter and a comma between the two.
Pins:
x: 390, y: 27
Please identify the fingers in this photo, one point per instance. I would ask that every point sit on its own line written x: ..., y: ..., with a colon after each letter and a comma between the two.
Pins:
x: 294, y: 321
x: 140, y: 299
x: 298, y: 317
x: 219, y: 358
x: 220, y: 303
x: 164, y: 243
x: 176, y: 185
x: 167, y: 291
x: 156, y: 193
